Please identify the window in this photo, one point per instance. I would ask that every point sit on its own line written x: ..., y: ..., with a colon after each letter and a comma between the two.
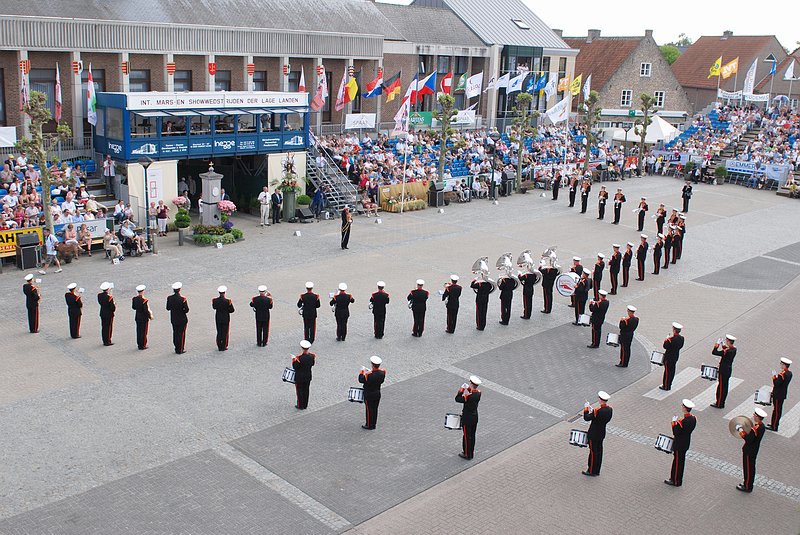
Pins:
x: 223, y: 124
x: 260, y: 81
x: 246, y: 123
x: 294, y: 81
x: 139, y: 81
x: 182, y: 80
x: 521, y: 24
x: 645, y: 69
x: 201, y: 125
x: 142, y: 126
x: 461, y: 63
x: 625, y: 99
x: 113, y: 122
x: 294, y: 121
x: 266, y: 120
x: 2, y: 98
x: 222, y: 81
x: 44, y: 81
x: 443, y: 66
x: 659, y: 97
x: 99, y: 79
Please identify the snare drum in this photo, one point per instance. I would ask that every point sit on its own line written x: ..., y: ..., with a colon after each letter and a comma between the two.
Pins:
x: 578, y: 438
x: 657, y: 357
x: 612, y: 339
x: 664, y: 443
x: 452, y: 421
x: 566, y: 282
x: 583, y: 320
x: 763, y: 396
x: 355, y: 394
x: 709, y: 372
x: 288, y: 375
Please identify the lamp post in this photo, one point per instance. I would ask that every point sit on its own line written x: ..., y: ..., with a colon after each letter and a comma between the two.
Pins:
x: 626, y: 127
x: 145, y: 162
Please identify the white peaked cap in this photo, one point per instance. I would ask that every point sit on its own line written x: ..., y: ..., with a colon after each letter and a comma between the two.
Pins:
x: 660, y: 235
x: 72, y: 286
x: 602, y: 292
x: 29, y: 276
x: 615, y: 245
x: 454, y: 278
x: 644, y: 236
x: 603, y: 395
x: 309, y: 285
x: 632, y: 308
x: 576, y: 258
x: 222, y: 289
x: 629, y: 244
x: 381, y: 284
x: 376, y: 360
x: 688, y: 403
x: 177, y: 286
x: 600, y: 255
x: 262, y: 288
x: 420, y: 282
x: 730, y: 337
x: 105, y: 286
x: 305, y: 344
x: 677, y: 325
x: 342, y: 286
x: 474, y: 379
x: 786, y: 361
x: 760, y: 412
x: 141, y: 288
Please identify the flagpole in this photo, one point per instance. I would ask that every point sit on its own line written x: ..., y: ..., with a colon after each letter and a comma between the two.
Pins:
x: 771, y: 81
x: 405, y: 162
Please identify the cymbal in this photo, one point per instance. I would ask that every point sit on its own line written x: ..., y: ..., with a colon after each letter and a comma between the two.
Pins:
x: 744, y: 421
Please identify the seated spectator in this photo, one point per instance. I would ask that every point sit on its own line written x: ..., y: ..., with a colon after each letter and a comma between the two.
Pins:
x: 134, y: 240
x: 85, y: 238
x: 71, y: 236
x: 119, y: 211
x: 31, y: 215
x: 369, y: 206
x: 111, y: 244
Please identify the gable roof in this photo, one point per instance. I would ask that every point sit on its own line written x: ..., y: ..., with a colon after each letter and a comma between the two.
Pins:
x: 692, y: 67
x: 602, y: 57
x: 763, y: 85
x: 494, y: 22
x: 429, y: 25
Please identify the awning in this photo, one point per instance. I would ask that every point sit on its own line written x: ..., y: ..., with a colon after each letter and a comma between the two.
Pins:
x: 152, y: 113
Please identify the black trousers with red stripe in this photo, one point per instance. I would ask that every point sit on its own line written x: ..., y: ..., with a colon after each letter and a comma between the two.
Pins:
x: 106, y: 327
x: 640, y: 267
x: 371, y: 409
x: 624, y: 352
x: 626, y: 271
x: 656, y: 264
x: 452, y: 318
x: 222, y: 335
x: 580, y: 306
x: 468, y: 438
x: 595, y: 456
x: 480, y: 315
x: 777, y: 411
x: 723, y: 379
x: 75, y: 326
x: 419, y: 321
x: 33, y: 319
x: 749, y: 469
x: 547, y: 294
x: 669, y: 373
x: 597, y: 333
x: 596, y: 287
x: 378, y: 324
x: 262, y: 333
x: 309, y: 328
x: 678, y: 463
x: 505, y: 309
x: 667, y: 251
x: 302, y: 389
x: 614, y: 282
x: 527, y: 304
x: 141, y: 334
x: 179, y: 336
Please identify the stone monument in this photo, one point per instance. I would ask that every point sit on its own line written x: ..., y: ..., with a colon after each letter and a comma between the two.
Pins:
x: 210, y: 197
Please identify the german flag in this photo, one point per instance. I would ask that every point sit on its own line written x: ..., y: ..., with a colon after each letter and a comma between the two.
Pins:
x: 392, y: 87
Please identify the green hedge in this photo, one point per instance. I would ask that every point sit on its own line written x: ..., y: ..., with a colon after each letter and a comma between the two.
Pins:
x: 303, y: 200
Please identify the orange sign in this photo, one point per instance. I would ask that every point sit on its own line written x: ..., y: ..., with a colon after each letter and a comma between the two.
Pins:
x: 8, y: 239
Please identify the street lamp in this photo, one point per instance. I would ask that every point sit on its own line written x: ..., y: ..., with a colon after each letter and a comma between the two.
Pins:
x: 626, y: 127
x: 145, y: 162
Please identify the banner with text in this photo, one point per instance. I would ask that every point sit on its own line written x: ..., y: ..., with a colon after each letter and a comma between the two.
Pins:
x: 8, y: 239
x: 358, y: 121
x: 730, y: 95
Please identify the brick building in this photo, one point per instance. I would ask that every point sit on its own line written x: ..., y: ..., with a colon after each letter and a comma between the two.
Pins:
x: 779, y: 86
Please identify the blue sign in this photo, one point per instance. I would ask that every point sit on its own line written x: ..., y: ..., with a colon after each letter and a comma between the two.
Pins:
x: 114, y: 148
x: 738, y: 166
x: 200, y: 146
x: 270, y: 142
x: 294, y: 141
x: 248, y: 144
x: 147, y: 147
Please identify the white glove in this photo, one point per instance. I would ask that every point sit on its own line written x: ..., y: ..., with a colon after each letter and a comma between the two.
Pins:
x: 739, y: 428
x: 587, y: 405
x: 674, y: 418
x: 465, y: 386
x: 774, y: 373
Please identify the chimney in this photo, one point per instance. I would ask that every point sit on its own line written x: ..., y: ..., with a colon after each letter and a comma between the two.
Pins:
x: 648, y: 34
x: 726, y: 34
x: 593, y: 34
x: 559, y: 33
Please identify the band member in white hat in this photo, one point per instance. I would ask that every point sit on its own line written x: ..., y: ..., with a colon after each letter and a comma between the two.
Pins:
x: 752, y: 442
x: 372, y: 380
x: 657, y: 248
x: 302, y: 365
x: 308, y: 305
x: 377, y: 302
x: 576, y: 268
x: 262, y: 304
x: 178, y: 308
x: 780, y: 384
x: 223, y: 308
x: 682, y: 431
x: 597, y: 274
x: 107, y: 309
x: 451, y: 297
x: 613, y: 268
x: 627, y: 258
x: 672, y: 351
x: 141, y: 316
x: 74, y: 306
x: 416, y: 299
x: 619, y: 199
x: 341, y: 303
x: 668, y: 238
x: 470, y: 396
x: 641, y: 256
x: 642, y: 212
x: 598, y: 308
x: 32, y: 298
x: 597, y: 431
x: 726, y: 353
x: 602, y: 199
x: 627, y: 326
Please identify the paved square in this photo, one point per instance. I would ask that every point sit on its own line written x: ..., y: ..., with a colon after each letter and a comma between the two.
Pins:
x: 757, y: 273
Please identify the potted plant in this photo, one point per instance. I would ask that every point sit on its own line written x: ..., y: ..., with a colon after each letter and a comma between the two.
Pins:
x: 182, y: 218
x: 720, y: 174
x: 226, y: 210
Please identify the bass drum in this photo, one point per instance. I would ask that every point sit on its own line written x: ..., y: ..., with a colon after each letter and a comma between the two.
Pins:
x: 566, y: 283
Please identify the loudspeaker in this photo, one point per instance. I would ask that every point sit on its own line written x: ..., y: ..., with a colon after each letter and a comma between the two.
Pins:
x: 27, y: 239
x: 26, y: 257
x: 304, y: 214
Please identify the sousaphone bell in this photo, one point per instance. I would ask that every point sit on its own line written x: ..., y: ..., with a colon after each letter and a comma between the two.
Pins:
x: 481, y: 268
x: 525, y: 261
x: 505, y: 266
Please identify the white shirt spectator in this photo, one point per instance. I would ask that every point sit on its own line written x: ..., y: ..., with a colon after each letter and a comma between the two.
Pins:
x: 68, y: 205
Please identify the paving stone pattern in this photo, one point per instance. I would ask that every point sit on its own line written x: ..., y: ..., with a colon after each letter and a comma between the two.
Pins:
x: 790, y: 253
x: 757, y: 273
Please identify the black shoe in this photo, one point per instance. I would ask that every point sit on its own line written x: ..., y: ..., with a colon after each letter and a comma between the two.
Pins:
x: 109, y: 344
x: 592, y: 347
x: 503, y: 323
x: 575, y: 323
x: 620, y: 366
x: 661, y: 387
x: 365, y: 427
x: 741, y: 487
x: 449, y: 332
x: 181, y: 352
x: 717, y: 406
x: 588, y: 473
x: 670, y: 483
x: 464, y: 456
x: 770, y: 427
x: 639, y: 279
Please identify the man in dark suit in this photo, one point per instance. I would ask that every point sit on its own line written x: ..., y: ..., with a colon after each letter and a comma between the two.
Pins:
x: 780, y: 384
x: 142, y: 316
x: 378, y: 302
x: 223, y: 196
x: 597, y: 432
x: 682, y: 431
x: 178, y: 309
x: 598, y: 309
x: 372, y: 380
x: 74, y: 306
x: 308, y: 305
x: 726, y: 353
x: 277, y: 201
x: 627, y: 257
x: 528, y: 281
x: 451, y: 296
x: 223, y: 308
x: 641, y: 256
x: 302, y: 365
x: 32, y: 299
x: 686, y: 194
x: 597, y: 274
x: 341, y: 303
x: 613, y: 268
x: 752, y: 443
x: 262, y: 304
x: 672, y: 350
x: 416, y: 301
x: 107, y: 310
x: 469, y: 396
x: 627, y: 326
x: 506, y: 285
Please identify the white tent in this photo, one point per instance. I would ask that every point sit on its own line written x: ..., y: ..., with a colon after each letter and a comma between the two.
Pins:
x: 658, y: 130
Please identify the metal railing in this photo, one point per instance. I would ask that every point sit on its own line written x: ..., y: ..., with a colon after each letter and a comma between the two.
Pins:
x: 322, y: 171
x: 68, y: 149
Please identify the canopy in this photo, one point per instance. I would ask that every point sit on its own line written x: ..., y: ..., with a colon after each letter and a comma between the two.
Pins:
x: 658, y: 130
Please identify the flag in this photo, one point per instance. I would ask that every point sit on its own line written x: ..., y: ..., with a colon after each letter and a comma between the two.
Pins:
x: 91, y: 99
x: 411, y: 92
x: 472, y: 107
x: 24, y: 94
x: 502, y: 82
x: 375, y: 87
x: 351, y: 90
x: 515, y: 84
x: 559, y: 112
x: 563, y: 84
x: 392, y: 87
x: 551, y: 88
x: 462, y: 83
x: 715, y: 68
x: 541, y: 82
x: 774, y: 66
x: 401, y: 117
x: 750, y: 79
x: 302, y: 85
x: 340, y: 101
x: 427, y: 86
x: 789, y: 75
x: 490, y: 84
x: 575, y: 86
x: 732, y: 67
x: 58, y: 95
x: 318, y: 102
x: 530, y: 87
x: 447, y: 83
x: 474, y: 84
x: 587, y: 87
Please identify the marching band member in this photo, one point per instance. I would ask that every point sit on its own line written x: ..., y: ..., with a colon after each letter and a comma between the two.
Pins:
x: 470, y: 396
x: 107, y: 310
x: 555, y: 184
x: 682, y: 432
x: 619, y: 199
x: 627, y: 326
x: 417, y: 299
x: 223, y: 308
x: 347, y: 223
x: 613, y: 268
x: 672, y: 352
x: 32, y: 298
x: 642, y: 213
x: 341, y: 303
x: 597, y: 431
x: 528, y: 281
x: 726, y: 354
x: 586, y: 187
x: 308, y: 305
x: 627, y: 257
x: 752, y: 442
x: 549, y: 275
x: 581, y: 295
x: 302, y: 365
x: 576, y: 268
x: 451, y: 297
x: 141, y: 316
x: 482, y: 289
x: 74, y: 306
x: 668, y: 246
x: 178, y: 309
x: 598, y: 308
x: 602, y: 198
x: 661, y: 216
x: 641, y: 256
x: 262, y: 304
x: 657, y: 248
x: 573, y: 189
x: 780, y: 384
x: 677, y: 243
x: 372, y: 380
x: 378, y: 302
x: 506, y: 285
x: 597, y: 274
x: 681, y: 224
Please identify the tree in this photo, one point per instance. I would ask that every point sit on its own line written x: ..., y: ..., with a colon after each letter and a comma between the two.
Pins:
x: 670, y: 53
x: 445, y: 116
x: 683, y: 40
x: 523, y: 127
x: 593, y: 112
x: 640, y: 126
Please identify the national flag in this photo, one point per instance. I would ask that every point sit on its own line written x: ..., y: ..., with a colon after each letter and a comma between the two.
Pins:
x: 502, y: 82
x: 392, y: 87
x: 351, y: 90
x: 515, y: 84
x: 551, y: 88
x: 58, y: 95
x: 750, y: 79
x: 715, y: 68
x: 427, y: 86
x: 375, y: 87
x: 462, y: 83
x: 411, y: 92
x: 774, y: 67
x: 318, y: 102
x: 474, y: 85
x: 732, y: 67
x: 575, y: 86
x: 490, y: 84
x: 789, y: 75
x: 559, y: 112
x: 340, y: 95
x: 587, y: 87
x: 447, y: 83
x: 563, y: 84
x: 91, y: 99
x: 301, y: 86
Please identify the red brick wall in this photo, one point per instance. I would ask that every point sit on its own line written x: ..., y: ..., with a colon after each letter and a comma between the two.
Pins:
x: 198, y: 66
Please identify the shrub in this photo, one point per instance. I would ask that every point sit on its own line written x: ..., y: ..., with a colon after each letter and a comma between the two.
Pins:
x: 721, y: 171
x: 255, y: 206
x: 237, y: 233
x: 690, y: 165
x: 226, y: 238
x: 182, y: 218
x: 204, y: 239
x: 303, y: 200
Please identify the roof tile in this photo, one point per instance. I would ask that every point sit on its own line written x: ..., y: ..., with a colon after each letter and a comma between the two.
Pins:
x: 692, y: 67
x: 602, y: 57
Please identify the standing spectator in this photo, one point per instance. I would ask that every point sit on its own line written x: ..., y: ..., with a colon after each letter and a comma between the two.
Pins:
x: 162, y: 214
x: 51, y: 255
x: 109, y: 173
x: 263, y: 201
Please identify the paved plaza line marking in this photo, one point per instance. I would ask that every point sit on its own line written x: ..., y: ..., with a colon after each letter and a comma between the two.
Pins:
x: 730, y: 289
x: 681, y: 379
x: 282, y: 487
x: 709, y: 395
x: 744, y: 409
x: 781, y: 260
x: 522, y: 398
x: 790, y: 422
x: 776, y: 487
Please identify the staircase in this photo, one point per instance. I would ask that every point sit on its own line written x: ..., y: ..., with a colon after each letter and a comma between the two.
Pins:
x: 340, y: 191
x: 96, y: 185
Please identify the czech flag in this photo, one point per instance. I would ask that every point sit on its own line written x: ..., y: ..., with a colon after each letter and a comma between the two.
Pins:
x: 427, y: 86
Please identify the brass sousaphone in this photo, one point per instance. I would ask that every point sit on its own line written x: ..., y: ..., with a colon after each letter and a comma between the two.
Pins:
x: 505, y: 266
x: 526, y: 263
x: 744, y: 421
x: 481, y: 269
